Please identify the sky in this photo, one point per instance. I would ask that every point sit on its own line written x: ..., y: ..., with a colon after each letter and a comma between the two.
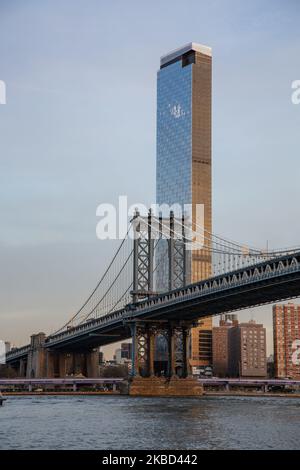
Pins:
x: 79, y: 128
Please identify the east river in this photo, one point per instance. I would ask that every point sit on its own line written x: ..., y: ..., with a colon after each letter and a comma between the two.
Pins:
x: 119, y: 422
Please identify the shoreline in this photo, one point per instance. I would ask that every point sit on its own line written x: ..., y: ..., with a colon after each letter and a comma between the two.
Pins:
x: 26, y: 393
x: 111, y: 393
x: 252, y: 394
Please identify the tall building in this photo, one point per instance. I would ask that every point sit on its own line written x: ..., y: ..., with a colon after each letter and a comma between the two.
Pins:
x: 101, y: 357
x: 247, y: 350
x: 286, y: 328
x: 184, y: 159
x: 221, y: 346
x: 117, y: 356
x: 123, y: 354
x: 126, y: 351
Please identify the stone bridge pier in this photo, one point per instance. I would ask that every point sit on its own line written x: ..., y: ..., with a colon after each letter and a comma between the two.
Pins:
x: 22, y: 370
x: 177, y: 380
x: 45, y: 363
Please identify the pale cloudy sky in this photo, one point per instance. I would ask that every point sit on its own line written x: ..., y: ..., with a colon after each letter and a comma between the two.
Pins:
x: 78, y: 129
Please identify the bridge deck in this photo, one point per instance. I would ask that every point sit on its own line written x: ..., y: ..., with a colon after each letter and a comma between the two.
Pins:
x: 270, y: 281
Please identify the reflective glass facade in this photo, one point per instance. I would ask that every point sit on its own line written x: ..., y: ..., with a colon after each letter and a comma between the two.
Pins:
x: 174, y: 135
x: 174, y: 148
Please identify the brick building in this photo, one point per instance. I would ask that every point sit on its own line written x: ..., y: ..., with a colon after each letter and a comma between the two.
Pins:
x: 220, y: 345
x: 286, y: 327
x: 247, y: 342
x: 239, y: 350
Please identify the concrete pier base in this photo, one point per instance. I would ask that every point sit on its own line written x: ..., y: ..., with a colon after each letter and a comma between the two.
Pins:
x: 164, y: 387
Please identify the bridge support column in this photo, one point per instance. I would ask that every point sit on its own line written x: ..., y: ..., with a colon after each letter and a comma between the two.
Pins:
x: 36, y: 365
x: 171, y: 351
x: 92, y: 364
x: 62, y: 366
x: 151, y: 351
x: 142, y: 342
x: 68, y: 363
x: 72, y: 363
x: 50, y: 364
x: 179, y: 381
x: 186, y: 334
x: 22, y: 368
x: 79, y: 364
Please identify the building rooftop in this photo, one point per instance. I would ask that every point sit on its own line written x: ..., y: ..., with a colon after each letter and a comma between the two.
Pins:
x: 192, y: 46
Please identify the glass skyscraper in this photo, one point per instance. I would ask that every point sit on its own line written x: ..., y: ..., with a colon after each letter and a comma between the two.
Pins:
x: 183, y: 171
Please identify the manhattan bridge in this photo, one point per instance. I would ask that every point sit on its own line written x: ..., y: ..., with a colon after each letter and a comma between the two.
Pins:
x: 125, y: 304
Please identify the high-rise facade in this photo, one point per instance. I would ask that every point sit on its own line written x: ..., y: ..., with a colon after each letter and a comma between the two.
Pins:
x: 184, y: 159
x: 221, y: 346
x: 239, y: 350
x: 126, y: 351
x: 286, y: 334
x: 247, y: 350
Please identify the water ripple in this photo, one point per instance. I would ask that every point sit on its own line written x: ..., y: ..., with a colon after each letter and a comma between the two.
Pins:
x: 150, y: 423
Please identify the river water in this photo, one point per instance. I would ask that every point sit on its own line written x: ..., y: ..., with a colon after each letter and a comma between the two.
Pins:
x: 119, y: 422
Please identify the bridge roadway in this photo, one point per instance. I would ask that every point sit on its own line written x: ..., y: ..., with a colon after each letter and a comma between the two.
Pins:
x: 265, y: 282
